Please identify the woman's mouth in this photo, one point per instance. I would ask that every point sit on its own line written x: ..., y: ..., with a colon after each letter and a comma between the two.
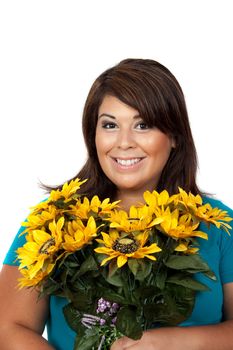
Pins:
x: 128, y: 163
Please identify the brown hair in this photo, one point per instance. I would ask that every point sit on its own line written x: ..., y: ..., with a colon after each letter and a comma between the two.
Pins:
x: 152, y: 89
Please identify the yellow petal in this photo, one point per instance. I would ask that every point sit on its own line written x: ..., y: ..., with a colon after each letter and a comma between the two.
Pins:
x: 156, y: 221
x: 103, y: 250
x: 163, y: 198
x: 181, y: 247
x: 121, y: 260
x: 41, y: 236
x: 114, y: 235
x: 153, y: 248
x: 200, y: 234
x: 133, y: 213
x: 142, y: 237
x: 31, y: 246
x: 151, y: 257
x: 91, y: 223
x: 106, y: 260
x: 107, y: 239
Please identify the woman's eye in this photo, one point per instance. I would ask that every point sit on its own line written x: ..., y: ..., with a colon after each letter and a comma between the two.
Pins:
x: 108, y: 125
x: 142, y: 126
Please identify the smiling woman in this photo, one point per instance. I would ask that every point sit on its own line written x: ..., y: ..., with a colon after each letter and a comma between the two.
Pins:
x: 148, y: 92
x: 138, y: 139
x: 131, y: 154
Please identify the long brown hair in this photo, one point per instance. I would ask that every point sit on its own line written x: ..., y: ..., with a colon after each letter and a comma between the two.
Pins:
x: 151, y: 89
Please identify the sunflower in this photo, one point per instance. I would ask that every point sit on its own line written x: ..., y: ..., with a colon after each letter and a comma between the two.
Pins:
x: 38, y: 208
x: 78, y: 235
x: 189, y: 200
x: 215, y: 216
x: 68, y: 189
x: 138, y: 219
x: 155, y: 199
x: 180, y: 227
x: 185, y: 247
x: 35, y: 221
x: 123, y: 248
x: 38, y: 252
x: 28, y: 281
x: 84, y: 208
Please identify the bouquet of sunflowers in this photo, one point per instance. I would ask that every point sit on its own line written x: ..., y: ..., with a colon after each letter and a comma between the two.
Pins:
x: 122, y: 272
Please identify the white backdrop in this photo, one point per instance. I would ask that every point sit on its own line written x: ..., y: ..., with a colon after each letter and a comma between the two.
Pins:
x: 51, y: 51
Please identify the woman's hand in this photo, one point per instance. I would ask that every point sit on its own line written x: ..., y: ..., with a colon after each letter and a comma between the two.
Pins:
x: 147, y: 342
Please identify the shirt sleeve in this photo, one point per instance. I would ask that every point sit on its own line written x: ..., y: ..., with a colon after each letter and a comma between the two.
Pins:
x: 19, y: 241
x: 226, y: 248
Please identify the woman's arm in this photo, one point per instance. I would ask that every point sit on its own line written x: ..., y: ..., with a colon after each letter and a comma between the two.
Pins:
x: 214, y: 337
x: 22, y: 316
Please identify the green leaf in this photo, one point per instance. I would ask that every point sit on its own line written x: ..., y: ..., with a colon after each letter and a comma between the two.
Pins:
x: 88, y: 265
x: 211, y: 275
x: 146, y: 293
x: 86, y: 340
x: 115, y: 279
x: 140, y: 268
x: 192, y: 263
x: 50, y: 288
x: 133, y: 266
x: 172, y: 308
x: 72, y: 316
x: 187, y: 282
x: 182, y: 298
x: 61, y: 204
x: 127, y: 323
x: 110, y: 295
x: 160, y: 278
x: 113, y: 268
x: 82, y: 299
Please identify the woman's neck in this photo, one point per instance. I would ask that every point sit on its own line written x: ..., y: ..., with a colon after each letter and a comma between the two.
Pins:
x: 128, y: 198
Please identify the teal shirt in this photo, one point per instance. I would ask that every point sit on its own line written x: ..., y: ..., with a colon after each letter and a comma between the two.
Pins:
x: 217, y: 251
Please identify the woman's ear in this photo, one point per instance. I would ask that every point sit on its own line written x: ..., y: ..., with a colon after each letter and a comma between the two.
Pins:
x: 173, y: 142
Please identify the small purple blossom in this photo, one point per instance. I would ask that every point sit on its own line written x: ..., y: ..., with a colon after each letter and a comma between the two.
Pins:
x: 102, y: 305
x: 92, y: 317
x: 114, y: 320
x: 102, y: 321
x: 106, y: 306
x: 90, y: 320
x: 115, y: 306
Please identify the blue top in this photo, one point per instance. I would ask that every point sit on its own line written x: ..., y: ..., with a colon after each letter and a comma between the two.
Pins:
x: 217, y: 251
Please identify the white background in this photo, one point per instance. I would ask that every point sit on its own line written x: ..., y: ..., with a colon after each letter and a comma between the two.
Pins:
x: 51, y: 52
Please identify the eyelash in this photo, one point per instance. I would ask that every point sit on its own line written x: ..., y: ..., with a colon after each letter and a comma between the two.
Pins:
x: 145, y: 126
x: 111, y: 125
x: 108, y: 125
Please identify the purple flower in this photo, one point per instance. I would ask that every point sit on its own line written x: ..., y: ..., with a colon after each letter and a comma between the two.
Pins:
x: 103, y: 305
x: 102, y: 321
x: 90, y: 320
x: 114, y: 320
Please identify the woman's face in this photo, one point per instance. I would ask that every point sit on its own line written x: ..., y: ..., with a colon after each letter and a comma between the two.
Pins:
x: 131, y: 154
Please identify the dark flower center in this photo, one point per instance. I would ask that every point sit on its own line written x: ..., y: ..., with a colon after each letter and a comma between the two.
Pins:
x: 125, y: 245
x: 44, y: 248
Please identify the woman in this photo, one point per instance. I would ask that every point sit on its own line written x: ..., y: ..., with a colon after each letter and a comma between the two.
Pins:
x: 138, y: 138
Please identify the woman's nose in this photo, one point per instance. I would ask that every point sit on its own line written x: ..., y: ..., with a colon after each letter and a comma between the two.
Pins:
x: 125, y: 139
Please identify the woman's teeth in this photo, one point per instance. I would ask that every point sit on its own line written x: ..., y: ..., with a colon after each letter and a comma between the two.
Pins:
x: 128, y: 162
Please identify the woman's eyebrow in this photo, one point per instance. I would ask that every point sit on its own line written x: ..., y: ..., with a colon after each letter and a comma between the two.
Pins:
x: 106, y: 115
x: 137, y: 116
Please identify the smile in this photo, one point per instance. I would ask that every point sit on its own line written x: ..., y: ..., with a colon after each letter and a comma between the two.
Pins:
x: 128, y: 162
